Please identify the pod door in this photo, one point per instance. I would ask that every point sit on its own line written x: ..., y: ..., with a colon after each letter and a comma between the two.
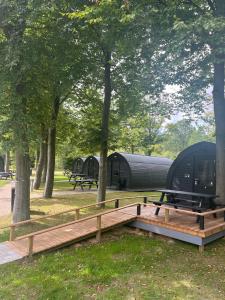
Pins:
x: 204, y: 174
x: 115, y: 172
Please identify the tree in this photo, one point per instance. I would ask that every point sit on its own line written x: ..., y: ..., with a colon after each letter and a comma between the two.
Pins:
x: 197, y: 59
x: 113, y: 31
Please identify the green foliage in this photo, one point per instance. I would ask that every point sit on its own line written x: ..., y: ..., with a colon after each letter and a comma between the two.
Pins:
x: 184, y: 133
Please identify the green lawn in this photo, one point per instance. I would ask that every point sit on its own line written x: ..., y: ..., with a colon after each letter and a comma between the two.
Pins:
x: 121, y: 267
x: 4, y: 182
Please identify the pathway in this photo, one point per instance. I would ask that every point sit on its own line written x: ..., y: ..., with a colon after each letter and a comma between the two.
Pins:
x: 5, y: 200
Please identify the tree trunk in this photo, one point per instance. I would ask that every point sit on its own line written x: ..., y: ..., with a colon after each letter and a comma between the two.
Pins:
x: 51, y: 150
x: 37, y: 157
x: 105, y: 130
x: 21, y: 210
x: 41, y: 161
x: 44, y: 172
x: 7, y: 161
x: 219, y: 110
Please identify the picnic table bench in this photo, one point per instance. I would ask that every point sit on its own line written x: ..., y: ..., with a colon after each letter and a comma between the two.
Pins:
x: 85, y: 182
x: 197, y: 202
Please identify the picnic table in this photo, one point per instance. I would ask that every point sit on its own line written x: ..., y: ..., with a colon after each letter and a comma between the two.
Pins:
x: 77, y: 176
x: 85, y: 182
x: 199, y: 202
x: 6, y: 175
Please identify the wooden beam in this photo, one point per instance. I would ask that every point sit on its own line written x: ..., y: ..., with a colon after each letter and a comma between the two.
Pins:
x: 99, y: 225
x: 167, y: 214
x: 30, y: 245
x: 12, y: 233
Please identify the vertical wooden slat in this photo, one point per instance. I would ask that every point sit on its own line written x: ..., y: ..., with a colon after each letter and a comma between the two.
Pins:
x: 167, y: 212
x: 77, y: 214
x: 12, y: 233
x: 117, y: 203
x: 30, y: 245
x: 99, y: 225
x: 145, y: 200
x: 138, y: 209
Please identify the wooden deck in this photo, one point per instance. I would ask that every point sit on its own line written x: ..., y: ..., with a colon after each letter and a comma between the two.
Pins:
x: 60, y: 236
x: 175, y: 223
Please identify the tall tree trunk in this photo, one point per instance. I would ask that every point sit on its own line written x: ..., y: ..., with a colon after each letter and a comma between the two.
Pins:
x: 41, y: 161
x: 21, y: 210
x: 7, y: 161
x: 44, y: 172
x: 219, y: 109
x: 105, y: 129
x: 51, y: 150
x: 37, y: 157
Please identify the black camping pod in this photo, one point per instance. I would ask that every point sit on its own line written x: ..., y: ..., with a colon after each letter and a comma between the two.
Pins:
x: 136, y: 172
x: 91, y: 166
x: 194, y: 169
x: 2, y: 167
x: 78, y: 165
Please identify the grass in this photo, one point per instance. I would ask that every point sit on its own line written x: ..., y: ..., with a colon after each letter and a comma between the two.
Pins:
x: 123, y: 266
x: 4, y: 182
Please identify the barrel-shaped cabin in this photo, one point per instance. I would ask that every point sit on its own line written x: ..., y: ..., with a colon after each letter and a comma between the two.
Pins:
x: 2, y: 164
x: 78, y: 164
x: 91, y: 166
x: 137, y: 172
x: 194, y: 169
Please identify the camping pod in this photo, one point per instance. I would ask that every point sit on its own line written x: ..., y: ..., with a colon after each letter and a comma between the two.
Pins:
x: 136, y: 172
x: 78, y: 164
x: 194, y: 169
x: 2, y: 164
x: 91, y: 166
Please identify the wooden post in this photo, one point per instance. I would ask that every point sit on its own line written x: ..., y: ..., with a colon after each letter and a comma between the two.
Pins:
x: 138, y: 209
x: 145, y: 201
x: 117, y: 203
x: 167, y: 212
x: 201, y: 248
x: 77, y: 214
x: 98, y: 235
x: 12, y: 233
x: 201, y: 223
x: 30, y: 245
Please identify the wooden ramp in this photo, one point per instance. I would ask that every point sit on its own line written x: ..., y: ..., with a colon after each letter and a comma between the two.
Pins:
x: 62, y: 235
x: 171, y: 222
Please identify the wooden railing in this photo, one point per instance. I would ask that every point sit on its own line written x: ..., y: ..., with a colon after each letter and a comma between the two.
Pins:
x: 76, y: 210
x: 201, y: 215
x: 98, y: 217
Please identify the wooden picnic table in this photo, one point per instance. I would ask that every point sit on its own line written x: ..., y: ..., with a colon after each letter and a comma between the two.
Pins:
x: 6, y: 175
x: 77, y: 175
x: 85, y: 182
x: 199, y: 202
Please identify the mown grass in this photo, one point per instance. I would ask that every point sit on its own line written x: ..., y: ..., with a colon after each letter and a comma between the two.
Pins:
x: 4, y: 182
x: 121, y: 267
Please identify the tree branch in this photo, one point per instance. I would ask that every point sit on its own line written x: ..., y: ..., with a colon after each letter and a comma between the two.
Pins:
x: 191, y: 2
x: 211, y: 5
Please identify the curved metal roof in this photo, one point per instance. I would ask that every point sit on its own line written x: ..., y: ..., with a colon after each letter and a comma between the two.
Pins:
x: 142, y: 159
x: 93, y: 157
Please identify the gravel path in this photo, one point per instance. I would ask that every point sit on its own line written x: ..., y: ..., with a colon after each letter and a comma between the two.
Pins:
x: 5, y: 199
